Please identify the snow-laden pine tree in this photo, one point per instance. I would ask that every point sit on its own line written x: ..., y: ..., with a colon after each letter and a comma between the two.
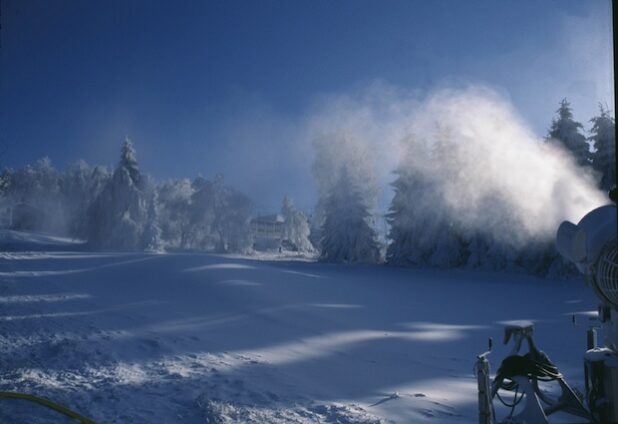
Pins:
x: 422, y: 231
x: 334, y: 148
x: 76, y: 196
x: 201, y: 214
x: 219, y: 217
x: 346, y: 234
x: 448, y: 251
x: 441, y: 223
x: 296, y: 226
x: 34, y: 193
x: 151, y: 237
x: 81, y: 184
x: 128, y: 162
x: 565, y: 130
x: 405, y: 221
x: 174, y: 212
x: 118, y: 216
x: 231, y: 222
x: 603, y: 137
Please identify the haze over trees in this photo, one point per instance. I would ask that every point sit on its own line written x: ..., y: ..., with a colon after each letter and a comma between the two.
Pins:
x: 405, y: 218
x: 565, y: 130
x: 219, y: 217
x: 296, y: 226
x: 125, y: 209
x: 346, y: 234
x: 332, y: 152
x: 421, y: 234
x: 603, y: 139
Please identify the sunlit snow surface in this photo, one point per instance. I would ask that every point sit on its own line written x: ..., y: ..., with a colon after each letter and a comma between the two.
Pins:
x: 197, y: 338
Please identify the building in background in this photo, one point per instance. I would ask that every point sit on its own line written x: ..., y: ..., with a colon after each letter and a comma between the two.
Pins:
x: 268, y: 232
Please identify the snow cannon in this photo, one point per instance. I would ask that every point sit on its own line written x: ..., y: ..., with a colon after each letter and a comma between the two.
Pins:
x: 592, y: 245
x: 524, y: 377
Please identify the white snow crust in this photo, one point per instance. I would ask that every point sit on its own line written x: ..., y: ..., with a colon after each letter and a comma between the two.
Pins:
x: 202, y: 338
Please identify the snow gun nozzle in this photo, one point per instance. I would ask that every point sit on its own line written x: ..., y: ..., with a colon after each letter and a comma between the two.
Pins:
x: 518, y: 331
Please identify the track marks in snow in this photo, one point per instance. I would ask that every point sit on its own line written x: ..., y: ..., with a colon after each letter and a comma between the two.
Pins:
x: 60, y: 297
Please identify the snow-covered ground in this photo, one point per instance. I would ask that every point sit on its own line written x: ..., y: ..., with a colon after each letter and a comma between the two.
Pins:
x: 199, y: 338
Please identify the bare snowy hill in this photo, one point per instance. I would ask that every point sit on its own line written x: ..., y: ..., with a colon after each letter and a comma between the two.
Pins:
x: 198, y: 338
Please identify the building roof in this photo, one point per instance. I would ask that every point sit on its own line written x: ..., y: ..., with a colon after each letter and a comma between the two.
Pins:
x: 268, y: 219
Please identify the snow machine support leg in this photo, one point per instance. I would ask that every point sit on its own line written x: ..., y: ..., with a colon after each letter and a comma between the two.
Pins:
x: 533, y: 410
x: 520, y: 374
x: 486, y: 415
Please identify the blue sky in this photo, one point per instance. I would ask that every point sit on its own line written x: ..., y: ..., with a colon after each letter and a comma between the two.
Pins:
x: 207, y: 87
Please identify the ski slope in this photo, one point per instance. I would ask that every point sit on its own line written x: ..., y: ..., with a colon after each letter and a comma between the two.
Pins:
x: 202, y: 338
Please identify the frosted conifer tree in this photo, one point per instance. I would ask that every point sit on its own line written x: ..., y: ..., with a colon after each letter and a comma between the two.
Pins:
x: 128, y: 161
x: 603, y: 137
x: 38, y: 188
x: 151, y: 238
x: 174, y: 212
x: 415, y: 218
x: 219, y: 217
x: 201, y: 213
x: 118, y: 215
x: 448, y: 250
x: 347, y: 236
x: 403, y: 220
x: 296, y: 226
x: 80, y: 186
x: 568, y: 132
x: 335, y: 148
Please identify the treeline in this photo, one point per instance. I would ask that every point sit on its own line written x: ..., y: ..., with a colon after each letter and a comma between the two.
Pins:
x: 125, y: 209
x: 421, y: 231
x: 597, y: 150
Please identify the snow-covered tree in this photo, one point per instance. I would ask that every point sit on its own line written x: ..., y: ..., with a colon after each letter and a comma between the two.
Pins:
x: 404, y: 221
x: 232, y: 213
x: 422, y: 230
x: 174, y: 212
x: 5, y: 202
x: 206, y: 204
x: 151, y: 238
x: 421, y: 233
x: 118, y: 215
x: 333, y: 150
x: 346, y: 234
x: 446, y: 229
x: 76, y: 196
x: 80, y: 187
x: 128, y: 162
x: 603, y: 137
x: 296, y: 226
x: 34, y: 194
x: 219, y: 217
x: 565, y: 130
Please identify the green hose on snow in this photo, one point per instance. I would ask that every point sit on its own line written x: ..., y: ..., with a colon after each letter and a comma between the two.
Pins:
x: 49, y: 404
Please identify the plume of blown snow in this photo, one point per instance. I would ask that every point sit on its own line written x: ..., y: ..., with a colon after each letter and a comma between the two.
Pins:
x: 493, y: 174
x: 486, y: 169
x: 359, y: 131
